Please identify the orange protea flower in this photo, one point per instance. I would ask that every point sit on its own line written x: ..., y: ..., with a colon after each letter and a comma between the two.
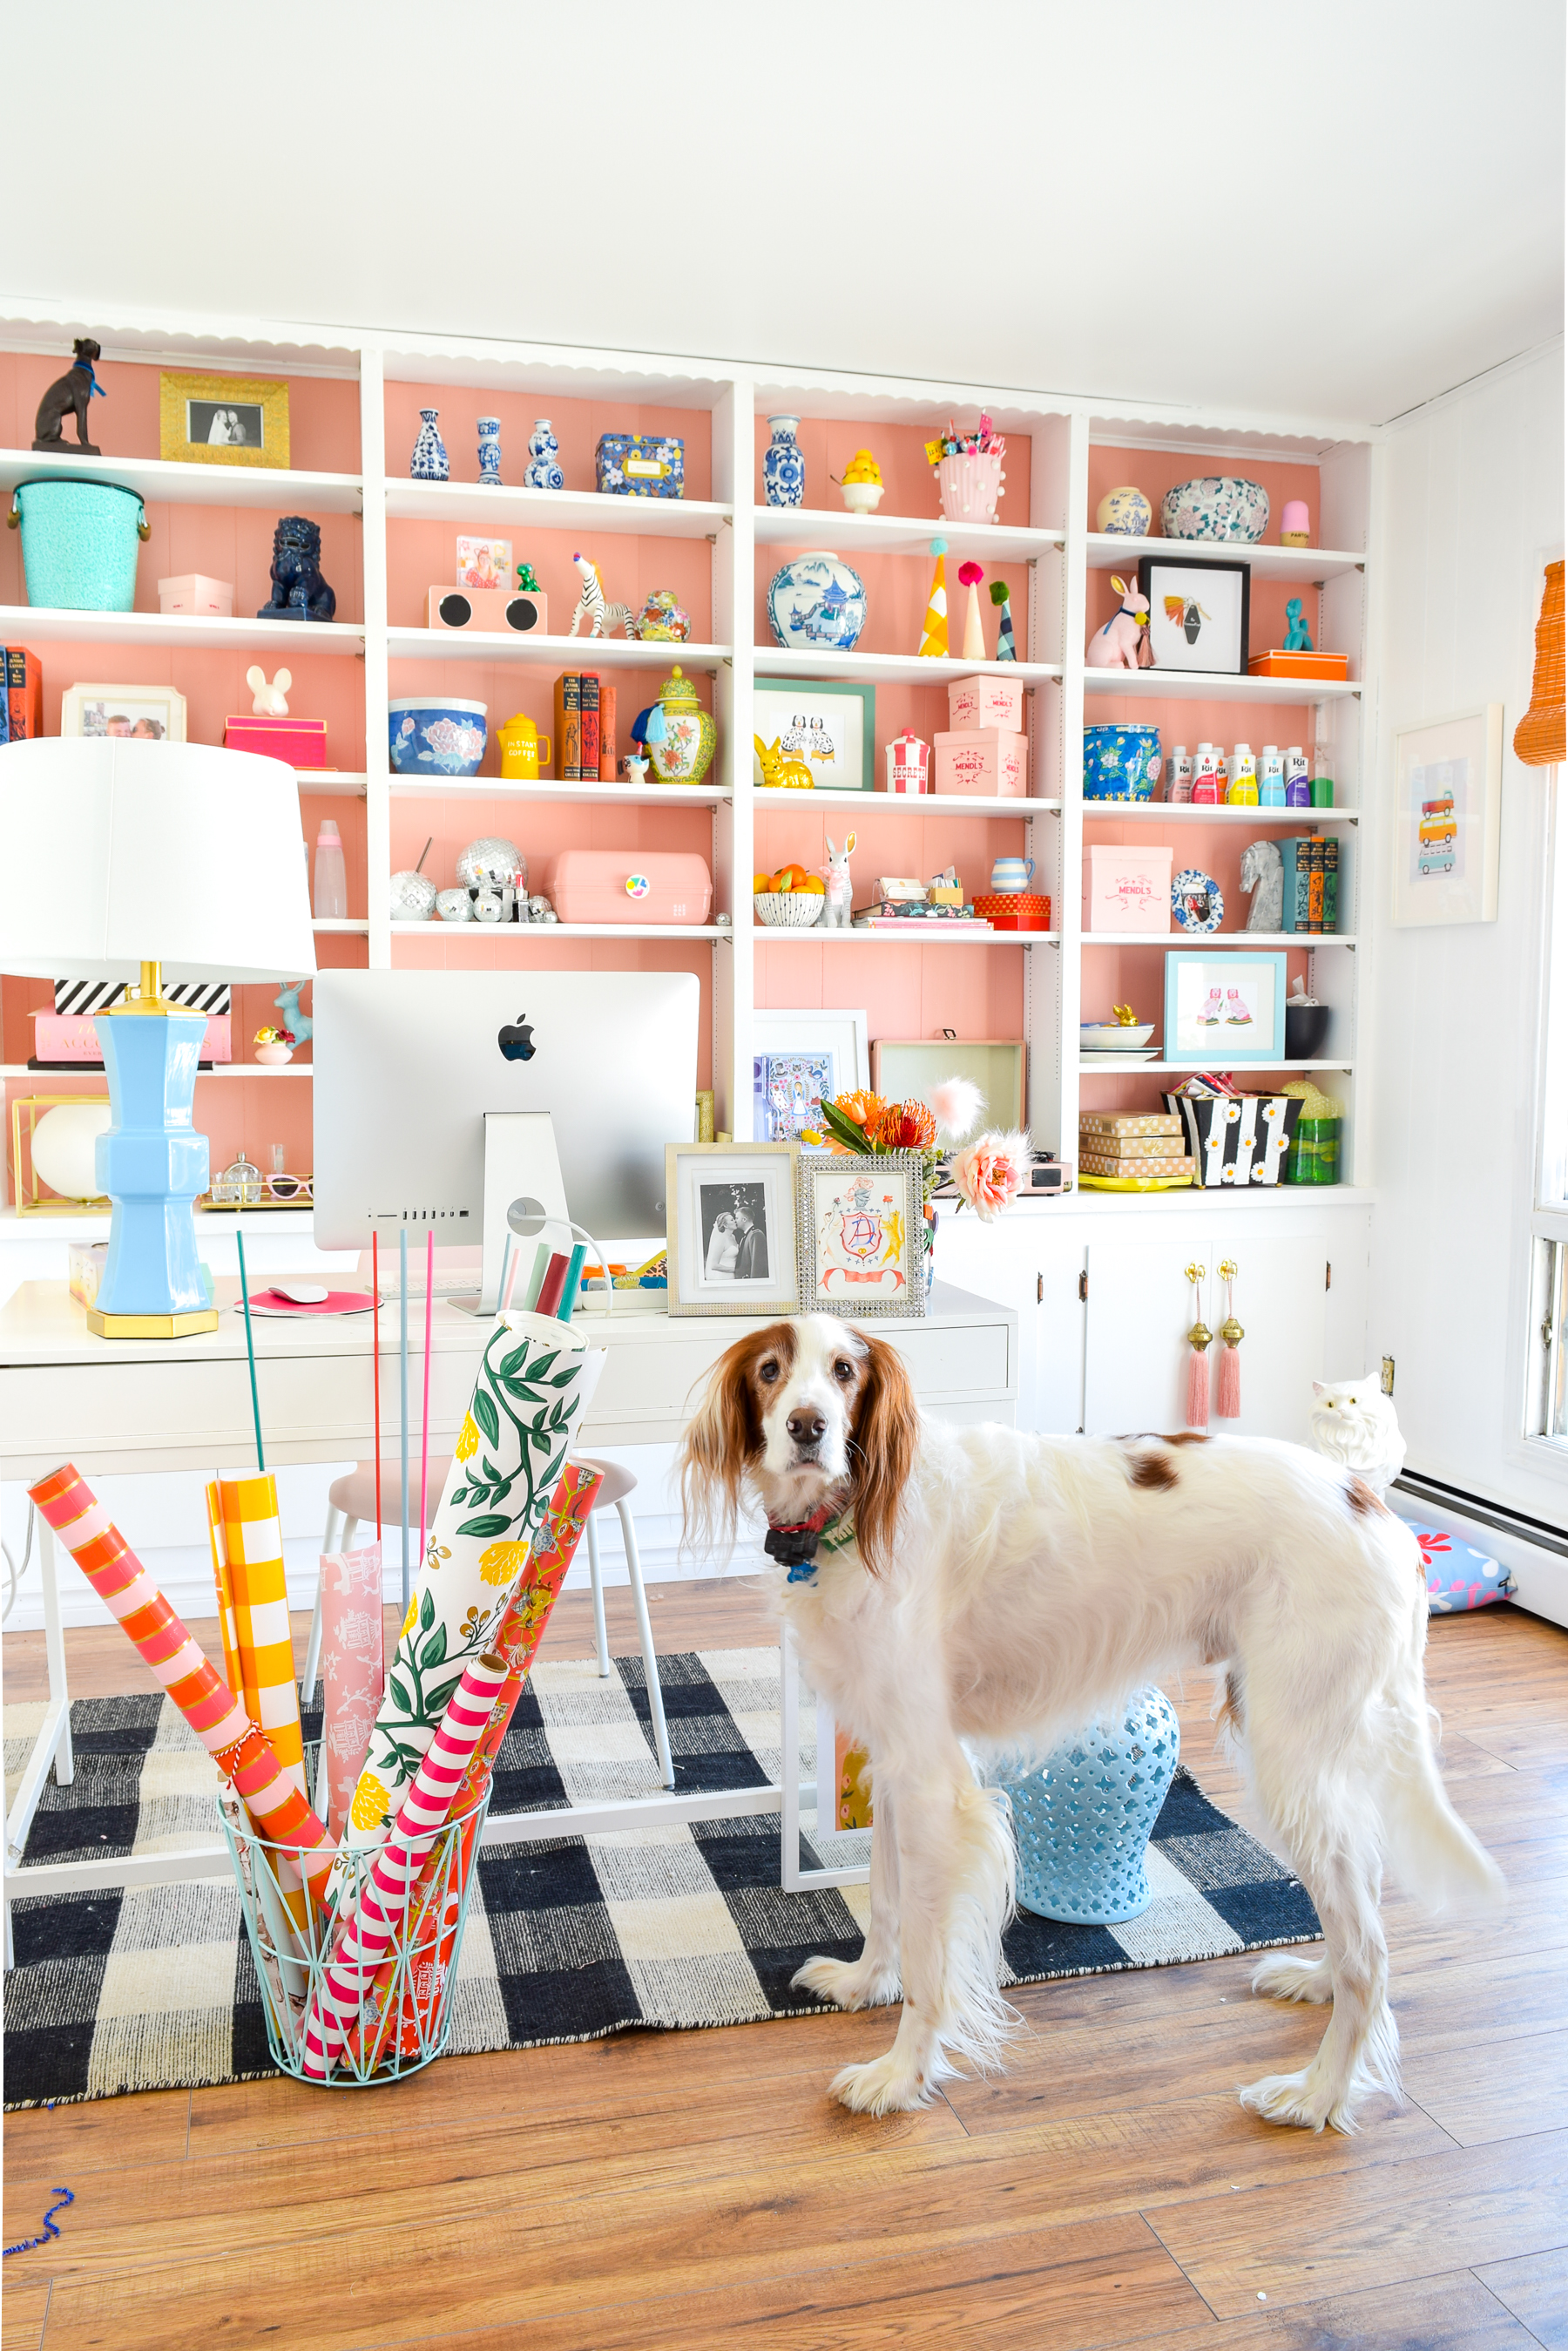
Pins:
x: 904, y: 1127
x: 859, y: 1108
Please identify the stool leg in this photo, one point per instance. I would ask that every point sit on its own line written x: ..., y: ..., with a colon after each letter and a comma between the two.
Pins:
x: 645, y: 1630
x: 600, y: 1635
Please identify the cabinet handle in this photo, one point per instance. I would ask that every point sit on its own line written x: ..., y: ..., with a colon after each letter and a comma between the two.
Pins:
x: 1084, y: 1288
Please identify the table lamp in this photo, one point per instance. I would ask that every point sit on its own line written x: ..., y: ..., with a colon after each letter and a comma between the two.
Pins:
x: 160, y: 861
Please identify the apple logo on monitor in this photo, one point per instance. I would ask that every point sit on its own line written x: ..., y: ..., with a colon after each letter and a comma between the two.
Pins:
x: 517, y: 1040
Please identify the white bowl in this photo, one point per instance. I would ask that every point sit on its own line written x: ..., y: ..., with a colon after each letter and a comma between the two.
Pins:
x: 1110, y: 1036
x: 862, y: 497
x: 789, y: 910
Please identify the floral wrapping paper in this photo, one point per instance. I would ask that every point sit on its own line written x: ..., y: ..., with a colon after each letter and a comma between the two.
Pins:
x: 353, y: 1669
x: 528, y: 1401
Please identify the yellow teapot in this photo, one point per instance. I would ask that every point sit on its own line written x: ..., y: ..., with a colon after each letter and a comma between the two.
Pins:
x: 521, y: 749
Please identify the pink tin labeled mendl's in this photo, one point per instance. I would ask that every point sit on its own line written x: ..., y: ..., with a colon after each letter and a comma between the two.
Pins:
x: 629, y: 885
x: 984, y: 761
x: 908, y: 764
x: 986, y: 702
x: 1126, y: 889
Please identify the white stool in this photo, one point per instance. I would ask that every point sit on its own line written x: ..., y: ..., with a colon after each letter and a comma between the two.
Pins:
x: 351, y: 1503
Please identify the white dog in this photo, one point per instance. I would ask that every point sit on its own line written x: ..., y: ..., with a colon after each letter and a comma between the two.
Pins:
x: 984, y: 1586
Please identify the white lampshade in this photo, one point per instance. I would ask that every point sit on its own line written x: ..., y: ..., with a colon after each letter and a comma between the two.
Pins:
x: 116, y: 854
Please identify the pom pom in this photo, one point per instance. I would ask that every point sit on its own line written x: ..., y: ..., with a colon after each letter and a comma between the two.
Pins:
x: 988, y: 1172
x: 957, y: 1102
x: 939, y: 547
x: 971, y: 574
x: 999, y: 592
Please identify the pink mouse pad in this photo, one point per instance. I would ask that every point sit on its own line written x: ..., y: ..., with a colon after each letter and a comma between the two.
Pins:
x: 336, y: 1301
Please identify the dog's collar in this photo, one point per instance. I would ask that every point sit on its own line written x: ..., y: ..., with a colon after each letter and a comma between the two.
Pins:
x: 795, y: 1546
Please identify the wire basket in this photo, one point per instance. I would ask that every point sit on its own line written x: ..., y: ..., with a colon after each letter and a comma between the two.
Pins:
x: 405, y: 2017
x: 789, y: 910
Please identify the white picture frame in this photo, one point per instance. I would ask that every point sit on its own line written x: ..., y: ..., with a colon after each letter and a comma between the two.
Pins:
x: 1448, y: 819
x: 838, y: 1038
x: 753, y: 1186
x: 97, y: 712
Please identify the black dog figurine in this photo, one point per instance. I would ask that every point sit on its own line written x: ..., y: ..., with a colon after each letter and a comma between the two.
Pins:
x: 73, y: 391
x: 298, y: 591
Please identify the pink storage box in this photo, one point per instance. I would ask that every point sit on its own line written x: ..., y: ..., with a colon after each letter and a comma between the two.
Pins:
x: 1126, y: 889
x: 629, y: 885
x: 983, y: 760
x: 71, y: 1036
x: 298, y: 742
x: 986, y: 702
x: 193, y: 592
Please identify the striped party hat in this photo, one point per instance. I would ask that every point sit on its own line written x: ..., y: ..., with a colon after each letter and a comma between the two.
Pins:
x: 1005, y: 648
x: 934, y: 635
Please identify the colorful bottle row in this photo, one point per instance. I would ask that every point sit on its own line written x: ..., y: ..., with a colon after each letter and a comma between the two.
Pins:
x: 1271, y: 779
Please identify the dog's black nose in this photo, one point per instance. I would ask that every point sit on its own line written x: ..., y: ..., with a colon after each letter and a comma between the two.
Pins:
x: 806, y: 1426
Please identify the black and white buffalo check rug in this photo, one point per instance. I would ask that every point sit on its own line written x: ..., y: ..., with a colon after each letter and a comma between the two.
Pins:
x: 567, y: 1939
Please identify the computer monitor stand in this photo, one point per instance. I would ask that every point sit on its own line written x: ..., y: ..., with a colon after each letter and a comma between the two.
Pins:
x: 521, y: 1163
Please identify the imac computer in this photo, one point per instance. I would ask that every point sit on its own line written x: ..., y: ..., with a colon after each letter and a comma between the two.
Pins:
x: 442, y: 1097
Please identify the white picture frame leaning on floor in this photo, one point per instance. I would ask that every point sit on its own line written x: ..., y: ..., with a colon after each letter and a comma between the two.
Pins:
x: 1448, y: 819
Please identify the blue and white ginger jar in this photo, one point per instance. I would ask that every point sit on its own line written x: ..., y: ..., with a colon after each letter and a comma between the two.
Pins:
x: 544, y: 451
x: 816, y: 603
x: 1217, y: 506
x: 489, y: 430
x: 783, y: 467
x: 429, y: 463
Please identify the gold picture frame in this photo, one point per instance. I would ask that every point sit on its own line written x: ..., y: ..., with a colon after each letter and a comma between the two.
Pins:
x: 192, y: 409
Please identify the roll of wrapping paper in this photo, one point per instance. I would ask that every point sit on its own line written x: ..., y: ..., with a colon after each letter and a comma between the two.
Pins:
x: 353, y: 1669
x: 366, y: 1930
x: 512, y: 1448
x: 252, y: 1545
x: 226, y: 1592
x: 242, y: 1753
x: 516, y: 1642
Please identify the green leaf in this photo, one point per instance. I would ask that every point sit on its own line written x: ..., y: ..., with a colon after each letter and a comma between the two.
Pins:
x: 484, y: 1526
x: 438, y: 1699
x: 434, y: 1653
x: 563, y: 1379
x: 523, y: 1394
x: 399, y: 1690
x: 509, y: 1364
x: 427, y: 1611
x: 487, y: 1416
x: 844, y: 1130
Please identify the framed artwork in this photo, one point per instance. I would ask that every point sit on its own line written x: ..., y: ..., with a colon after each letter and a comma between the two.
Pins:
x: 797, y: 1058
x: 1198, y: 613
x: 829, y: 727
x: 1225, y: 1007
x: 483, y: 562
x: 862, y: 1235
x: 730, y: 1211
x: 902, y: 1070
x: 1446, y: 817
x: 142, y: 714
x: 223, y: 420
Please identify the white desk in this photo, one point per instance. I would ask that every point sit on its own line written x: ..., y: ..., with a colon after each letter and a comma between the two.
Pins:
x: 119, y: 1405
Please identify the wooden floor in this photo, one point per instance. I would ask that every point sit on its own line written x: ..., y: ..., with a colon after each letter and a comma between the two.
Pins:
x: 700, y: 2190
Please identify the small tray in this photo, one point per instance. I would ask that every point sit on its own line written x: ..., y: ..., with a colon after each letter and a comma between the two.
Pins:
x: 1134, y: 1183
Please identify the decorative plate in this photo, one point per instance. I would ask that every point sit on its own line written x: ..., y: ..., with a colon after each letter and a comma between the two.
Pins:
x: 1195, y: 901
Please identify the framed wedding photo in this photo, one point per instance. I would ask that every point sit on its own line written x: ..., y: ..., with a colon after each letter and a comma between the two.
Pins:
x: 730, y: 1219
x: 1448, y: 810
x: 136, y: 713
x: 1224, y: 1008
x: 1199, y: 613
x: 223, y: 420
x: 862, y: 1235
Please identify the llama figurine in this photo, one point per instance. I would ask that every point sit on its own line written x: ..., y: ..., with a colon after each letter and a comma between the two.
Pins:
x: 603, y: 617
x: 1123, y: 643
x: 839, y: 908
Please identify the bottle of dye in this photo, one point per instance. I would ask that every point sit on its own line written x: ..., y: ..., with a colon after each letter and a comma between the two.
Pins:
x: 1298, y: 777
x: 1242, y: 771
x: 1323, y: 775
x: 1271, y: 777
x: 1206, y: 791
x: 1178, y: 775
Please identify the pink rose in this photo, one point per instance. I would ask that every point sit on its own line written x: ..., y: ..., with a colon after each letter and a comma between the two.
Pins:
x: 989, y: 1171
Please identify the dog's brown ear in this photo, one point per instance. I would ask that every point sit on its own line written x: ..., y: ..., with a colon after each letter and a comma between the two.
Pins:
x: 886, y: 1431
x: 722, y: 1438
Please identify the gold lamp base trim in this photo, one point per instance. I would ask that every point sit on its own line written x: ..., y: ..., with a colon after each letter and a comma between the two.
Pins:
x: 152, y: 1326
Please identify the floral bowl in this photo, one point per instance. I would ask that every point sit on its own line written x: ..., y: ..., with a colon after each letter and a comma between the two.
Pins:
x: 1216, y: 506
x: 442, y: 738
x: 789, y: 910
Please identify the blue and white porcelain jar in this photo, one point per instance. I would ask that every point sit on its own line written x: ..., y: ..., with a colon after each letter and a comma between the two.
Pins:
x: 1217, y: 506
x: 489, y: 430
x: 816, y: 603
x: 429, y: 463
x: 783, y: 467
x: 544, y: 452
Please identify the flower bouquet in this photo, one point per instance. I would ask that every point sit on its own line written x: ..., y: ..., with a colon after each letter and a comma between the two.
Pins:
x: 987, y: 1172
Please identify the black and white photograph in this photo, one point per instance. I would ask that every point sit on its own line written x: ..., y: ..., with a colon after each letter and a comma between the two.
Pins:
x: 734, y: 1232
x: 124, y: 714
x: 732, y: 1229
x: 226, y: 424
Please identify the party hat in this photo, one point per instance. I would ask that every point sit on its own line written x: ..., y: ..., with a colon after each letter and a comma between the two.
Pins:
x: 934, y: 635
x: 969, y: 576
x: 1005, y: 648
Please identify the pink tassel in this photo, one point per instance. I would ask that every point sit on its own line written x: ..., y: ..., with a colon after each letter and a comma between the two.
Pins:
x: 1198, y: 1389
x: 1229, y: 1383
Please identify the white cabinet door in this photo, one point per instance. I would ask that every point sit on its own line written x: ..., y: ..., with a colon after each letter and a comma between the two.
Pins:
x: 1281, y: 1303
x: 1139, y: 1312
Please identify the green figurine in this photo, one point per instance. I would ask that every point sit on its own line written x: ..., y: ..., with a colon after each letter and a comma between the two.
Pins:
x: 530, y: 586
x: 1298, y: 639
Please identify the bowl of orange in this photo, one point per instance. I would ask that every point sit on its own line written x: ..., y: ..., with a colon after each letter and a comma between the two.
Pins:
x: 790, y: 900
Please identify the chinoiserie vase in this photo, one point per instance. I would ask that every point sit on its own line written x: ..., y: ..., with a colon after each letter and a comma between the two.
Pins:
x: 970, y: 485
x: 1084, y: 1819
x: 690, y: 736
x: 783, y: 467
x: 817, y: 602
x: 543, y: 456
x: 489, y: 430
x: 429, y: 463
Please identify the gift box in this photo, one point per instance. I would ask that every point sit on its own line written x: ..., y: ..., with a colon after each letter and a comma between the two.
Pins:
x: 1275, y: 663
x: 72, y: 1037
x: 983, y: 760
x: 298, y: 742
x: 986, y: 702
x: 1126, y: 889
x: 1120, y: 1123
x: 1237, y: 1139
x: 193, y: 592
x: 631, y: 885
x: 1014, y: 910
x: 1172, y: 1169
x: 640, y: 465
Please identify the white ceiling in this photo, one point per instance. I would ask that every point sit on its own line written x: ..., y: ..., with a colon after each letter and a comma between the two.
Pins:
x: 1333, y: 208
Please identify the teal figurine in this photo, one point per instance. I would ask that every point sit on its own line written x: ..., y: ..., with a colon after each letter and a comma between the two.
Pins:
x: 1298, y: 639
x: 1005, y: 648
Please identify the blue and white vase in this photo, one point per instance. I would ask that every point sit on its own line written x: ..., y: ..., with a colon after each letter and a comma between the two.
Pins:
x: 428, y: 463
x: 489, y: 430
x: 783, y: 467
x: 816, y: 603
x: 544, y: 451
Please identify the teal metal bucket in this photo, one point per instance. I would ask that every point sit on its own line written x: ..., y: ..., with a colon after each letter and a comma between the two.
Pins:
x: 79, y: 543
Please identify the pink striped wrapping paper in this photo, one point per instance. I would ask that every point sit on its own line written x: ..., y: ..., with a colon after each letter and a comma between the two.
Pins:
x: 363, y: 1938
x: 353, y: 1669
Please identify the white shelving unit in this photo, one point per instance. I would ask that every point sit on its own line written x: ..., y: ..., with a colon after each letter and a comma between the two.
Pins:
x: 1052, y: 538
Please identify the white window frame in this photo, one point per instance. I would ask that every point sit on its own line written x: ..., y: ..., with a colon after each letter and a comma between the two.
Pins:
x: 1543, y: 1340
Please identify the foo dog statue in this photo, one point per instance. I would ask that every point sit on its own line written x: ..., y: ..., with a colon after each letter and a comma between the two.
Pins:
x: 298, y: 591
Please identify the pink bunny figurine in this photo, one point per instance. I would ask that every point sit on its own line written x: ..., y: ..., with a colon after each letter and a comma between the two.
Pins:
x: 1122, y: 642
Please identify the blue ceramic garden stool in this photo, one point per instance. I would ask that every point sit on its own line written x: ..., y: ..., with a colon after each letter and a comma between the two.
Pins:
x: 1083, y: 1821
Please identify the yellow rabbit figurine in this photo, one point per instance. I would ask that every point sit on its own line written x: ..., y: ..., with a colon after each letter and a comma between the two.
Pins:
x: 794, y: 775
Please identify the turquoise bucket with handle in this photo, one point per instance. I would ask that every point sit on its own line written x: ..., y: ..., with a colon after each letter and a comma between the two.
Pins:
x: 80, y: 542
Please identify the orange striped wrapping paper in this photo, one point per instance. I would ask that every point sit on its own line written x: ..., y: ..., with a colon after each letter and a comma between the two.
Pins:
x: 253, y: 1547
x: 226, y: 1592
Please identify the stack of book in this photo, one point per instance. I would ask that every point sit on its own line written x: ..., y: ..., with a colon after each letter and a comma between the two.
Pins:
x: 1132, y: 1151
x: 1312, y: 884
x: 585, y: 729
x: 21, y: 694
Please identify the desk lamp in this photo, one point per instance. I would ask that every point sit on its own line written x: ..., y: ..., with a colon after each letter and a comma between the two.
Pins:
x: 170, y: 861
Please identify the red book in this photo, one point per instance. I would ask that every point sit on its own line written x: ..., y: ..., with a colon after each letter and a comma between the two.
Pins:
x: 25, y: 693
x: 553, y: 1289
x: 607, y: 732
x: 588, y: 702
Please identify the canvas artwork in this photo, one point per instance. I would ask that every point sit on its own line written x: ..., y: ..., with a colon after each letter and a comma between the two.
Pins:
x: 862, y: 1235
x: 483, y: 562
x: 786, y: 1094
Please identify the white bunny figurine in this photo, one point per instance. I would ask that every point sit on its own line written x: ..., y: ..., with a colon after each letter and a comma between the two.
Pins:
x: 839, y: 907
x: 271, y: 701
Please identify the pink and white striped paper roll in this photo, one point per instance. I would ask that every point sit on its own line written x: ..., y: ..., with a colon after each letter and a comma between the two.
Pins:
x: 364, y: 1936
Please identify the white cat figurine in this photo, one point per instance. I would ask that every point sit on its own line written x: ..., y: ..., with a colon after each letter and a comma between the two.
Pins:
x: 1354, y: 1422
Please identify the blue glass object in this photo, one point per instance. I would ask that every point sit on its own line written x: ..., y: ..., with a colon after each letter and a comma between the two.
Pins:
x: 152, y: 1162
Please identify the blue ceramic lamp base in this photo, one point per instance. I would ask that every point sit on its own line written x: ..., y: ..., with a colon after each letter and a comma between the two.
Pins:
x: 151, y: 1163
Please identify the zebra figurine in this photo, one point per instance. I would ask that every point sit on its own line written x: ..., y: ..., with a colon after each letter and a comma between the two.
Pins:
x: 605, y: 617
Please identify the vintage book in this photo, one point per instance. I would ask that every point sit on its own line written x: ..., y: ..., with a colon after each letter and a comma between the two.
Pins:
x: 568, y: 729
x: 1314, y: 883
x: 25, y: 693
x: 1331, y: 883
x: 1123, y: 1121
x: 1296, y: 908
x: 607, y: 770
x: 5, y: 704
x: 589, y: 752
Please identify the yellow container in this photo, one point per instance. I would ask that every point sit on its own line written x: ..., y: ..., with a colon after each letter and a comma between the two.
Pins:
x: 521, y: 751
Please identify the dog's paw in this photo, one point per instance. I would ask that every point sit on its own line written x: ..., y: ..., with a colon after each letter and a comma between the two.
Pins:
x: 1284, y: 1976
x: 884, y: 2086
x: 1299, y: 2101
x: 848, y: 1983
